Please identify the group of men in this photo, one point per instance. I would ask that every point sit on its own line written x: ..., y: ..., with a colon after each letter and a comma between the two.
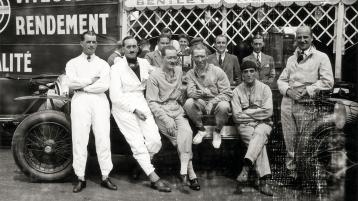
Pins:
x: 148, y: 97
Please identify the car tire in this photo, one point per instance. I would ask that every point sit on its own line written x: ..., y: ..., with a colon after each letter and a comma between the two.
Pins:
x: 42, y: 146
x: 319, y: 156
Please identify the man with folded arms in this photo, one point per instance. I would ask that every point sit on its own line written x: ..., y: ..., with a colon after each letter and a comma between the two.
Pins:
x: 164, y: 95
x: 131, y: 112
x: 209, y: 93
x: 252, y: 110
x: 88, y: 76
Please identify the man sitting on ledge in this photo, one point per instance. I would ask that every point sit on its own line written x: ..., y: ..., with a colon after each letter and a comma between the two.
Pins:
x: 252, y: 110
x: 209, y: 93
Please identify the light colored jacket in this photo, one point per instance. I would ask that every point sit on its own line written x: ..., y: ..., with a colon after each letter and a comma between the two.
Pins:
x: 314, y: 73
x: 126, y: 90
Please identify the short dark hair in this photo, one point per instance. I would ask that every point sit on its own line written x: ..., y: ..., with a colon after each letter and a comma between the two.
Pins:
x: 258, y: 36
x: 164, y: 49
x: 166, y: 30
x: 163, y: 36
x: 127, y: 38
x: 90, y: 33
x: 199, y: 47
x: 184, y: 36
x: 144, y: 42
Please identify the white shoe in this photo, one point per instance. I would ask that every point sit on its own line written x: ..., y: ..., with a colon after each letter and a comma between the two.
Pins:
x: 216, y: 140
x: 199, y: 137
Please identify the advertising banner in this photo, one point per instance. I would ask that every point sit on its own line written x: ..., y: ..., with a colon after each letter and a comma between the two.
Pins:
x: 40, y: 36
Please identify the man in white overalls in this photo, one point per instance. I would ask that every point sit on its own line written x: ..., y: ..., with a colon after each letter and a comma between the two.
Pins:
x: 131, y: 112
x: 88, y: 76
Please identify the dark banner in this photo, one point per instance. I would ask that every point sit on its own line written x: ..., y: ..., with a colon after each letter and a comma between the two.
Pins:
x: 40, y: 36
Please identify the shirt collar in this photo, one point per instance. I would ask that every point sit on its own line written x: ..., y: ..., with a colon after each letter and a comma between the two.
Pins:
x: 255, y: 54
x: 307, y: 52
x: 83, y: 55
x: 222, y: 55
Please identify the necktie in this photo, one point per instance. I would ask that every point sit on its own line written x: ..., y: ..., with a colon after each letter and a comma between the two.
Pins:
x: 220, y: 60
x: 300, y: 56
x: 258, y: 61
x: 88, y: 58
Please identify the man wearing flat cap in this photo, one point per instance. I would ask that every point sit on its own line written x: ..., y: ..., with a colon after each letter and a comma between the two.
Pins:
x: 252, y: 110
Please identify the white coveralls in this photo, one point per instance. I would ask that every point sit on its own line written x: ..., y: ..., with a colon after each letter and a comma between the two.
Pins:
x: 127, y: 94
x: 313, y: 73
x: 89, y: 107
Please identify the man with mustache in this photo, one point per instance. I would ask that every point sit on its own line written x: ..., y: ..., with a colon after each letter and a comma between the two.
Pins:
x: 307, y: 72
x: 209, y: 93
x: 164, y: 95
x: 88, y: 76
x: 131, y: 112
x: 252, y: 110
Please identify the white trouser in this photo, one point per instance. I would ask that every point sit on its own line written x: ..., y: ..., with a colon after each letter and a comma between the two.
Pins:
x: 142, y: 136
x: 86, y: 110
x: 255, y: 136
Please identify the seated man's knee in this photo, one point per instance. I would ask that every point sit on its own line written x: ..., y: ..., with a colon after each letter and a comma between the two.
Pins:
x: 223, y: 106
x: 263, y: 130
x: 189, y: 103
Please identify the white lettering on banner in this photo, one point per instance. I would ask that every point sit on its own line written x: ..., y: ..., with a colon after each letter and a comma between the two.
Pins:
x: 61, y: 24
x: 15, y: 62
x: 42, y: 1
x: 168, y: 2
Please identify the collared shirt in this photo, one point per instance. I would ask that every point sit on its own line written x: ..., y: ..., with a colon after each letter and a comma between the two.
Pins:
x: 164, y: 93
x: 80, y: 73
x: 313, y: 73
x: 222, y: 56
x: 250, y: 104
x: 212, y: 81
x: 259, y: 55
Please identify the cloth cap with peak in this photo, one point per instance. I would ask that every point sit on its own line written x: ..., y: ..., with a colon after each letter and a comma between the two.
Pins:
x: 195, y: 41
x: 248, y: 64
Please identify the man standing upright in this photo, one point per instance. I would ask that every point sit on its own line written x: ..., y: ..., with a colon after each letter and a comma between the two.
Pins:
x: 228, y: 62
x: 88, y: 76
x: 209, y: 93
x: 265, y: 63
x: 252, y: 109
x: 131, y: 112
x: 164, y: 96
x: 307, y: 72
x: 155, y: 58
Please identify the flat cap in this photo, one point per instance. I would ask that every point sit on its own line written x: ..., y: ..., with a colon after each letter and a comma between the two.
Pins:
x: 248, y: 64
x: 195, y: 41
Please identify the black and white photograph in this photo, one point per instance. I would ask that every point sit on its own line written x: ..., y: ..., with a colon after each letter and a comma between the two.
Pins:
x: 183, y: 100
